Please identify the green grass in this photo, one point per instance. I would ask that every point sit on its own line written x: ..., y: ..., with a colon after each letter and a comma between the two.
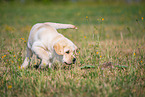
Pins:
x: 119, y: 39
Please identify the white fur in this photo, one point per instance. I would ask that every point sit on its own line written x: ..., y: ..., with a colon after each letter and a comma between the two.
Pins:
x: 42, y: 38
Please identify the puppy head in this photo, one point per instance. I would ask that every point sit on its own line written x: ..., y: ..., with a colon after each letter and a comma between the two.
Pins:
x: 66, y: 49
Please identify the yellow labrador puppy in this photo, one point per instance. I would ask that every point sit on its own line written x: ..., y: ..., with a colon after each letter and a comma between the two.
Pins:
x: 49, y: 45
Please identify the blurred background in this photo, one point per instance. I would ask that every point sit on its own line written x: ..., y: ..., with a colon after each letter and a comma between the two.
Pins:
x: 50, y: 1
x: 108, y: 17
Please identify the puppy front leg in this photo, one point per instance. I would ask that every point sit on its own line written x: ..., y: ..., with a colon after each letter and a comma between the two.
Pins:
x: 44, y: 63
x: 39, y: 50
x: 27, y: 59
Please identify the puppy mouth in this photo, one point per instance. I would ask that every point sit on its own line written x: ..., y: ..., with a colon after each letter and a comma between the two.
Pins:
x: 70, y: 63
x: 67, y: 63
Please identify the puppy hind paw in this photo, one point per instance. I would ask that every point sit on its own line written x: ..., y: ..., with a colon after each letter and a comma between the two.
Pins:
x: 22, y: 67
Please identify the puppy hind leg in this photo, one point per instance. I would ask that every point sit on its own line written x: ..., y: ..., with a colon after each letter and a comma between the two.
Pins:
x: 27, y: 59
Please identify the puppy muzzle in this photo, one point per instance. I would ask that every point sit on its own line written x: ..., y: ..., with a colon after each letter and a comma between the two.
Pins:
x: 73, y: 61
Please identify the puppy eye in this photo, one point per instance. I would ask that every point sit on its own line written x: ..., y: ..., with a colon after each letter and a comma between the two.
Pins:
x: 67, y: 52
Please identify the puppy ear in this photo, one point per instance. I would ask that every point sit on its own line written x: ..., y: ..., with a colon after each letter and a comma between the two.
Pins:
x: 58, y: 49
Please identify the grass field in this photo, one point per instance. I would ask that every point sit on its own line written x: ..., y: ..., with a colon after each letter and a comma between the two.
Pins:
x: 111, y: 60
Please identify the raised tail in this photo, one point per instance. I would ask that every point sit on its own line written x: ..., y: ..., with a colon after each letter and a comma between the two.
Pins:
x: 61, y: 26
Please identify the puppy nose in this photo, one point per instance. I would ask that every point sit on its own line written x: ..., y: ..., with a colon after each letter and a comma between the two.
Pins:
x: 74, y: 60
